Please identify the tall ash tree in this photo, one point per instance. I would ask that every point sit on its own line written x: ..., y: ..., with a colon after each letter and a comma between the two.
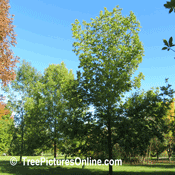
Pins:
x: 111, y: 52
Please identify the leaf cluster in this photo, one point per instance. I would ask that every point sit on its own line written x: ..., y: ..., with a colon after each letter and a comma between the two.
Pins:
x: 169, y: 5
x: 168, y: 44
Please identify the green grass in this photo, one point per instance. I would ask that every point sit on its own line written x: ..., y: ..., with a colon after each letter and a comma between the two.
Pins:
x: 125, y: 169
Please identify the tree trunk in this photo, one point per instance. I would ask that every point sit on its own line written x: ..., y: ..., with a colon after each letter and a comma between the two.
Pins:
x: 150, y: 151
x: 169, y: 156
x: 157, y: 156
x: 55, y: 147
x: 109, y: 144
x: 147, y: 156
x: 143, y: 159
x: 22, y: 134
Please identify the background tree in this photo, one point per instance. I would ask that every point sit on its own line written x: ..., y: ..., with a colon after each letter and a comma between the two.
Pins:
x: 50, y: 103
x: 111, y: 52
x: 144, y: 120
x: 23, y: 84
x: 157, y: 147
x: 18, y: 108
x: 168, y: 136
x: 6, y: 126
x: 7, y: 60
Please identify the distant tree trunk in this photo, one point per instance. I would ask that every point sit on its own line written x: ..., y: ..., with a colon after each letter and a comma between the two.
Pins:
x: 150, y: 150
x: 143, y: 159
x: 157, y: 156
x: 169, y: 152
x: 22, y: 137
x: 147, y: 155
x: 55, y: 146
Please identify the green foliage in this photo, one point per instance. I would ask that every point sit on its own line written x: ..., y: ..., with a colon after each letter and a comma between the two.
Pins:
x: 108, y: 43
x: 25, y: 84
x: 168, y: 44
x: 143, y: 120
x: 68, y: 146
x: 50, y: 106
x: 118, y: 152
x: 47, y: 101
x: 157, y: 147
x: 169, y: 5
x: 6, y: 134
x: 15, y: 143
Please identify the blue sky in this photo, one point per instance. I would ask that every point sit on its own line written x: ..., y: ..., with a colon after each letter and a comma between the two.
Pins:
x: 45, y: 37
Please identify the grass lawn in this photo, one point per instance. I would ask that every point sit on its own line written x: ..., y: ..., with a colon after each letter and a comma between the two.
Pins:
x: 124, y: 169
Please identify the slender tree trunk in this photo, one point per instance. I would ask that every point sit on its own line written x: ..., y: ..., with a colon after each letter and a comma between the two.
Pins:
x: 169, y: 153
x: 55, y: 146
x: 22, y: 134
x: 157, y: 156
x: 147, y: 156
x: 109, y: 144
x: 169, y: 156
x: 55, y: 149
x: 150, y: 151
x: 21, y: 149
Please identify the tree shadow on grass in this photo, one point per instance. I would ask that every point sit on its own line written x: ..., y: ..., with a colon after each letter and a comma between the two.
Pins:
x: 171, y: 166
x: 40, y: 170
x: 5, y: 167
